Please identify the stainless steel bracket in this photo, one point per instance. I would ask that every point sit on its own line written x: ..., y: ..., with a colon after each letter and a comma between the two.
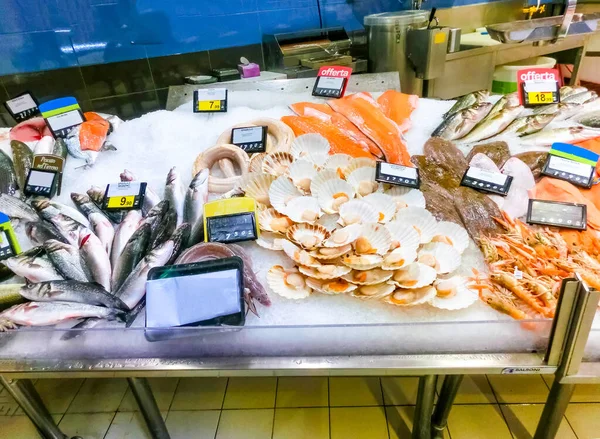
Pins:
x: 563, y: 30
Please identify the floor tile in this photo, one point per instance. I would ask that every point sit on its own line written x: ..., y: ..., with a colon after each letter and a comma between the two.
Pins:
x: 354, y: 392
x: 400, y: 390
x: 199, y: 394
x: 17, y: 427
x: 255, y: 424
x: 58, y: 394
x: 193, y: 424
x: 477, y: 421
x: 304, y: 423
x: 400, y: 422
x: 99, y: 395
x: 519, y: 388
x: 163, y: 390
x: 129, y: 425
x: 522, y: 419
x: 86, y: 425
x: 358, y: 423
x: 585, y: 420
x: 474, y: 389
x: 302, y: 392
x: 582, y: 393
x: 250, y: 393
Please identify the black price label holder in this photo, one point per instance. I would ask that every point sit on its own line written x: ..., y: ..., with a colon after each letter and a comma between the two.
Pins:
x: 331, y: 81
x: 23, y: 106
x: 210, y: 100
x: 42, y: 183
x: 125, y: 195
x: 557, y: 214
x: 486, y: 181
x: 250, y: 139
x: 235, y: 227
x: 397, y: 175
x: 50, y: 162
x: 577, y: 173
x: 62, y: 115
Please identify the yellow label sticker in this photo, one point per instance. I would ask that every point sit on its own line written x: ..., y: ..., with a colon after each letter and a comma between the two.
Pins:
x: 209, y: 105
x: 537, y: 97
x: 120, y: 202
x: 439, y: 38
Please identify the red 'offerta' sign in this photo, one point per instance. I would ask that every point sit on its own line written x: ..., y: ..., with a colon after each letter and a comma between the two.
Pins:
x: 332, y: 81
x: 538, y: 86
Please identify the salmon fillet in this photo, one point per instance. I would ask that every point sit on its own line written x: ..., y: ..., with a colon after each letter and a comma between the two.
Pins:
x: 398, y: 107
x: 93, y: 132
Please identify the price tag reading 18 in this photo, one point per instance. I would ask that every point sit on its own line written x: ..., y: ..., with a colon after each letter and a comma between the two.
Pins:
x: 210, y: 100
x: 538, y: 86
x: 126, y: 195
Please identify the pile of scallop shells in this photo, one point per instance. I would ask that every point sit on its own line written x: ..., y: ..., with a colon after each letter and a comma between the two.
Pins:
x: 348, y: 234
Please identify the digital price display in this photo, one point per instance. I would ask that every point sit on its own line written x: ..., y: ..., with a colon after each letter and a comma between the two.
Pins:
x: 230, y: 220
x: 397, y: 174
x: 486, y: 181
x: 558, y: 214
x: 126, y: 195
x: 210, y: 100
x: 331, y: 81
x: 62, y: 115
x: 250, y: 139
x: 41, y: 183
x: 22, y: 107
x: 579, y: 174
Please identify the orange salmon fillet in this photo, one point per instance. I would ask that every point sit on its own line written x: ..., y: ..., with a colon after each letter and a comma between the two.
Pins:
x: 398, y: 107
x: 93, y: 132
x: 339, y: 141
x: 364, y: 112
x: 301, y: 108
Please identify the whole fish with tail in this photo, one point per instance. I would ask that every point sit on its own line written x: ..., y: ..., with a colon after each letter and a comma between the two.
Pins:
x: 151, y: 198
x: 68, y: 228
x: 195, y: 198
x: 96, y: 194
x: 564, y: 135
x: 100, y: 223
x: 133, y: 252
x: 68, y: 261
x: 175, y: 194
x: 33, y: 265
x: 507, y: 101
x: 529, y: 124
x: 49, y: 209
x: 461, y: 123
x: 22, y: 161
x: 71, y: 291
x: 580, y: 98
x: 17, y: 209
x: 567, y: 91
x: 491, y: 126
x: 124, y: 232
x: 95, y: 258
x: 8, y: 176
x: 467, y: 101
x: 41, y: 231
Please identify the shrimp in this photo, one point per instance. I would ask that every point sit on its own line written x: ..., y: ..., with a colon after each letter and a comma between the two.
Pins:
x: 509, y: 282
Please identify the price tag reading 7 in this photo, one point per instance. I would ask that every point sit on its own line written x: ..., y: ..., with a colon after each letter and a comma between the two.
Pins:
x: 210, y: 100
x: 120, y: 202
x: 540, y: 97
x: 209, y: 106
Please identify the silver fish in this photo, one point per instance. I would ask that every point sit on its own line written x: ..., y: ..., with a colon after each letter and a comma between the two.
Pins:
x: 461, y: 123
x: 567, y: 91
x: 60, y: 148
x: 565, y: 135
x: 151, y: 198
x: 100, y: 223
x: 123, y: 233
x: 195, y: 198
x: 467, y: 101
x: 134, y: 288
x: 96, y: 194
x: 95, y: 258
x: 44, y: 146
x: 165, y: 229
x: 51, y: 313
x: 8, y: 176
x: 49, y: 209
x: 41, y: 231
x: 133, y: 252
x: 70, y: 291
x: 492, y: 126
x: 175, y: 194
x: 34, y: 268
x: 68, y: 261
x: 529, y: 124
x: 17, y: 209
x: 68, y: 228
x: 180, y: 238
x: 507, y: 101
x: 580, y: 98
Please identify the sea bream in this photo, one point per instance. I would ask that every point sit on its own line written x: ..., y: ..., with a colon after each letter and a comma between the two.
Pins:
x: 461, y: 123
x: 529, y: 124
x: 175, y: 194
x: 70, y: 291
x: 196, y: 197
x: 564, y: 135
x: 466, y: 101
x: 491, y: 126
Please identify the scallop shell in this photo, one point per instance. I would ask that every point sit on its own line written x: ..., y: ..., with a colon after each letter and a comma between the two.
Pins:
x: 442, y: 257
x: 329, y: 271
x: 298, y: 255
x: 399, y: 258
x: 369, y: 292
x: 453, y: 293
x: 302, y: 172
x: 270, y: 241
x: 403, y: 235
x: 344, y: 236
x: 415, y: 275
x: 312, y: 147
x: 333, y: 194
x: 360, y: 162
x: 362, y: 262
x: 383, y: 204
x: 374, y: 239
x: 257, y: 186
x: 417, y: 296
x: 404, y: 196
x: 420, y: 219
x: 339, y: 163
x: 256, y: 162
x: 363, y: 181
x: 321, y: 177
x: 304, y: 210
x: 329, y: 221
x: 288, y: 283
x: 452, y: 234
x: 368, y: 277
x: 334, y: 287
x: 307, y: 236
x: 282, y: 191
x: 357, y: 212
x: 270, y: 220
x: 277, y: 163
x: 328, y: 253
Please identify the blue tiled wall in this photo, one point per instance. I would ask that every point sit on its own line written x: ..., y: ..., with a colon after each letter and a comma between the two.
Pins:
x: 49, y: 34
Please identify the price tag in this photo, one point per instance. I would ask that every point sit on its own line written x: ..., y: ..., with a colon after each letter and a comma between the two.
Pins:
x: 230, y: 220
x: 250, y: 139
x: 542, y: 97
x: 486, y: 181
x: 9, y: 245
x: 210, y: 100
x: 41, y: 183
x: 53, y: 163
x: 332, y: 81
x: 126, y: 195
x: 580, y: 174
x: 538, y: 86
x: 62, y: 115
x: 397, y: 174
x: 22, y: 107
x: 558, y: 214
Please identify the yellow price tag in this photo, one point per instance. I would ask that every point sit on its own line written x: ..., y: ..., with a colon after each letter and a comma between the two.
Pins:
x: 540, y: 97
x: 209, y: 106
x: 120, y: 202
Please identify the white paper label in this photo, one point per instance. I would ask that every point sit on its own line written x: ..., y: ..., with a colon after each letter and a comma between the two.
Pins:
x: 211, y: 94
x: 247, y: 135
x: 65, y: 120
x: 569, y: 166
x: 540, y: 86
x: 398, y: 171
x: 21, y: 103
x: 123, y: 189
x: 330, y: 83
x: 490, y: 177
x: 43, y: 179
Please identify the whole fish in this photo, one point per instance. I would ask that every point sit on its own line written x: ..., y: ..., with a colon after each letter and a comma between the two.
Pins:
x: 175, y: 194
x: 164, y: 230
x: 492, y: 126
x: 180, y: 238
x: 22, y: 160
x: 95, y: 258
x: 580, y: 98
x: 68, y: 228
x: 10, y: 296
x: 564, y: 135
x: 507, y: 101
x: 96, y: 194
x: 8, y: 177
x: 85, y: 204
x: 134, y: 287
x: 133, y: 252
x: 68, y: 261
x: 70, y: 291
x: 39, y: 232
x: 34, y: 268
x: 100, y: 223
x: 151, y: 198
x: 195, y: 198
x: 17, y: 209
x: 461, y: 123
x: 45, y: 145
x: 546, y: 109
x: 567, y: 91
x: 51, y: 313
x: 124, y: 231
x: 60, y: 148
x: 529, y: 124
x: 467, y: 101
x: 49, y: 209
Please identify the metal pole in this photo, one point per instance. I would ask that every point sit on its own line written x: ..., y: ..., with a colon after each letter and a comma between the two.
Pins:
x: 439, y: 420
x: 424, y: 407
x: 143, y: 395
x: 556, y: 405
x: 29, y: 400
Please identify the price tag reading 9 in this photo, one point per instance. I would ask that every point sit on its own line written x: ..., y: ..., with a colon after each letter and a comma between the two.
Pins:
x: 124, y: 195
x: 120, y: 202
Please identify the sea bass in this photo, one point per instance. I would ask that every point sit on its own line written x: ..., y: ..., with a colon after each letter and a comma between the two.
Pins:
x: 133, y: 252
x: 68, y: 228
x: 50, y: 209
x: 461, y: 123
x: 8, y: 177
x: 70, y: 291
x: 100, y: 223
x: 22, y: 161
x: 95, y: 258
x: 180, y: 238
x: 17, y: 209
x: 68, y: 261
x: 467, y: 101
x: 124, y: 231
x: 493, y: 125
x: 567, y: 91
x: 529, y: 124
x: 175, y: 194
x: 564, y: 135
x: 33, y: 267
x: 195, y: 198
x: 39, y: 232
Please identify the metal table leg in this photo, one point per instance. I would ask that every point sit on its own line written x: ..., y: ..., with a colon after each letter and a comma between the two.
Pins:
x: 554, y: 410
x: 147, y: 404
x: 439, y: 420
x: 424, y: 407
x: 29, y: 400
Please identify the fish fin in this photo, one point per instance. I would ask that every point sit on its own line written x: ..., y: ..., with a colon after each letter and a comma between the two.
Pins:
x: 250, y: 302
x: 132, y: 315
x: 6, y: 324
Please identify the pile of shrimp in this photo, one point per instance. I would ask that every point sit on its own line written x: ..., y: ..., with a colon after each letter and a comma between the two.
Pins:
x: 527, y: 265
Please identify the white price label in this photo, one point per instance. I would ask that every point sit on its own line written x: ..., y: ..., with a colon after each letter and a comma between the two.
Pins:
x: 489, y: 176
x: 124, y: 189
x: 569, y: 166
x: 540, y: 86
x: 247, y: 135
x: 330, y: 83
x: 21, y: 103
x: 43, y: 179
x: 65, y: 120
x: 399, y: 171
x: 211, y: 94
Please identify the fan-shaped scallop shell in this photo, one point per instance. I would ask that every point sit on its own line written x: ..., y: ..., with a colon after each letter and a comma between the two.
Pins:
x: 383, y: 204
x: 399, y: 258
x: 281, y: 192
x: 415, y: 275
x: 344, y: 236
x: 333, y: 194
x: 326, y: 271
x: 404, y: 196
x: 257, y: 186
x: 442, y: 257
x: 362, y: 262
x: 333, y: 287
x: 453, y: 293
x: 452, y: 234
x: 329, y: 221
x: 270, y: 241
x: 307, y: 236
x: 369, y: 292
x: 304, y: 210
x: 277, y: 163
x: 357, y: 212
x: 288, y: 283
x: 403, y: 235
x: 417, y: 296
x: 256, y: 162
x: 374, y: 239
x: 270, y: 220
x: 368, y: 277
x: 360, y: 162
x: 312, y: 147
x: 363, y: 181
x: 298, y: 255
x: 328, y: 253
x: 420, y: 219
x: 339, y: 163
x: 322, y: 176
x: 302, y: 172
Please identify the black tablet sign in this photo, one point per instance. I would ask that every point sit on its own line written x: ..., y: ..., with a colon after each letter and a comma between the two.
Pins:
x: 22, y: 107
x: 486, y: 181
x: 231, y: 228
x: 250, y: 139
x: 558, y: 214
x: 397, y: 174
x: 577, y: 173
x: 41, y: 183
